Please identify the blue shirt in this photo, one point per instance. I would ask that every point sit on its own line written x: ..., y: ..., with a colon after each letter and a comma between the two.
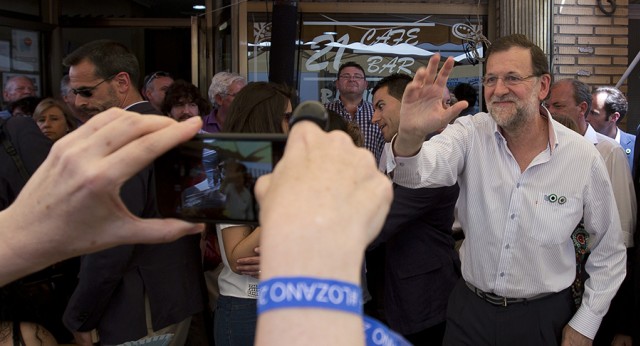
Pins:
x: 5, y: 114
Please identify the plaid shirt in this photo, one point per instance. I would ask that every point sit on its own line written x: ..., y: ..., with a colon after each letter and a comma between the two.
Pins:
x: 371, y: 133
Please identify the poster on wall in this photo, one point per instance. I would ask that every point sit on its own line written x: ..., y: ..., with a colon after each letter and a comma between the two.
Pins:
x: 5, y: 56
x: 25, y: 51
x: 34, y: 78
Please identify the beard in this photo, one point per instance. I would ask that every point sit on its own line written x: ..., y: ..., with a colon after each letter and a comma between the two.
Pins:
x: 92, y: 109
x: 513, y: 116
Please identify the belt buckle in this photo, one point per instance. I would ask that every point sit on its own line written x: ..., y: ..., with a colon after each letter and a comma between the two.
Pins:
x: 504, y: 301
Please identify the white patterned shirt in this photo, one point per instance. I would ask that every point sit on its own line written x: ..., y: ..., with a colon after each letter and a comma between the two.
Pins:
x: 615, y: 159
x: 517, y: 224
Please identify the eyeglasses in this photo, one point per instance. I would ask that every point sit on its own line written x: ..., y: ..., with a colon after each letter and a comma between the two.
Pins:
x: 148, y: 79
x: 508, y: 80
x: 229, y: 94
x: 350, y: 77
x: 87, y: 92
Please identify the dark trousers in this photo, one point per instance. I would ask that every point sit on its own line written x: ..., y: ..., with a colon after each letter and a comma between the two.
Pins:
x: 473, y: 321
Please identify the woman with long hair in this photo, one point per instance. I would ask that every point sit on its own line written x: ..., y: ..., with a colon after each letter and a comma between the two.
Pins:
x: 259, y: 107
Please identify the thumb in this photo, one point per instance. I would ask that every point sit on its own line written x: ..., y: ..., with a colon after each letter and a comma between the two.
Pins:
x: 152, y: 231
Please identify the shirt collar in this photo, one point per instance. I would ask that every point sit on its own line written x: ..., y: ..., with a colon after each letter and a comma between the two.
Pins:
x: 359, y: 104
x: 590, y: 135
x: 133, y: 104
x: 617, y: 135
x: 212, y: 119
x: 553, y: 137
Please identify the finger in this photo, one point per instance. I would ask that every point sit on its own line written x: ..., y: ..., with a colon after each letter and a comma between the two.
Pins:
x: 142, y: 151
x: 456, y: 108
x: 446, y: 69
x: 432, y: 69
x: 147, y: 231
x: 262, y: 186
x: 300, y: 136
x: 249, y: 260
x: 248, y: 268
x: 94, y: 124
x: 128, y: 127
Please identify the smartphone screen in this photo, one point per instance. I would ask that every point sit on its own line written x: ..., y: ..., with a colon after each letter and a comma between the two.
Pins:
x: 211, y: 177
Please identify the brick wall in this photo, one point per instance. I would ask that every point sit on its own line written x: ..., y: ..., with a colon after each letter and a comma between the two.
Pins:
x: 589, y: 45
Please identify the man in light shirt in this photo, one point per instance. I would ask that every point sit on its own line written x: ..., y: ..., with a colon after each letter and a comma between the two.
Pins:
x: 571, y: 98
x: 518, y: 203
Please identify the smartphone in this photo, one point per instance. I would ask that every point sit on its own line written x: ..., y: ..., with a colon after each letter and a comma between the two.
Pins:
x: 211, y: 177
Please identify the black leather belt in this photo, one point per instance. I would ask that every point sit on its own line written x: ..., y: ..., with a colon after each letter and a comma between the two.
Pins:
x: 499, y: 300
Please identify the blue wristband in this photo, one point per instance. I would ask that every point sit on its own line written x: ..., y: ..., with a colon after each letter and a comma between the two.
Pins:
x: 307, y: 292
x: 376, y: 333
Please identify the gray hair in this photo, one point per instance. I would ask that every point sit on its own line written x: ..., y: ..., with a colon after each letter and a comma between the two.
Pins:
x: 221, y: 82
x: 64, y: 85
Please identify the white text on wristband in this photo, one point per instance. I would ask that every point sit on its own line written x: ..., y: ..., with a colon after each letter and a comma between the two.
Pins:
x: 307, y: 292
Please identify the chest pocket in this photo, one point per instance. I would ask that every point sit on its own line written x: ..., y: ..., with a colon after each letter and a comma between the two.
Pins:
x: 555, y: 219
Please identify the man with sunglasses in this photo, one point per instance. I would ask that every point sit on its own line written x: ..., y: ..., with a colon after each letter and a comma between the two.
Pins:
x: 154, y: 88
x: 100, y: 83
x: 519, y: 203
x: 133, y: 291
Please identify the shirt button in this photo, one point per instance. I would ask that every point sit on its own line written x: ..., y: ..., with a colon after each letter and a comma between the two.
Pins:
x: 502, y: 274
x: 513, y: 216
x: 507, y: 246
x: 401, y: 164
x: 518, y: 185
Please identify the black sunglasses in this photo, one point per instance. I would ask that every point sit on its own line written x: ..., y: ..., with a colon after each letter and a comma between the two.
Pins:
x: 87, y: 92
x: 148, y: 79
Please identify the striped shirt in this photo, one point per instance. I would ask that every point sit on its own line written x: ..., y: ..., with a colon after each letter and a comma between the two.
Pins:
x: 615, y: 160
x: 517, y: 224
x: 371, y: 133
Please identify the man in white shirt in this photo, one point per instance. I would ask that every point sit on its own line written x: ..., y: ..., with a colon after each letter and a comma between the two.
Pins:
x: 571, y: 98
x: 518, y: 203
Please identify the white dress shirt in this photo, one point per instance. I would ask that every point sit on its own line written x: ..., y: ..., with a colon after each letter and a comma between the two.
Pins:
x: 624, y: 193
x: 518, y: 225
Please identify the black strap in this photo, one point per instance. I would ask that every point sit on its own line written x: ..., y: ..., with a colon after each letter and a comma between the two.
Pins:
x: 17, y: 334
x: 11, y: 150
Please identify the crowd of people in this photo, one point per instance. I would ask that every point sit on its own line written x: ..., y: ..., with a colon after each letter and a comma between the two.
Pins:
x: 548, y: 209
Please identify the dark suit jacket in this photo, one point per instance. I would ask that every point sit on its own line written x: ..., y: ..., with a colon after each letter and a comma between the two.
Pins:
x: 422, y: 265
x: 32, y: 147
x: 113, y: 283
x: 628, y: 143
x: 143, y: 107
